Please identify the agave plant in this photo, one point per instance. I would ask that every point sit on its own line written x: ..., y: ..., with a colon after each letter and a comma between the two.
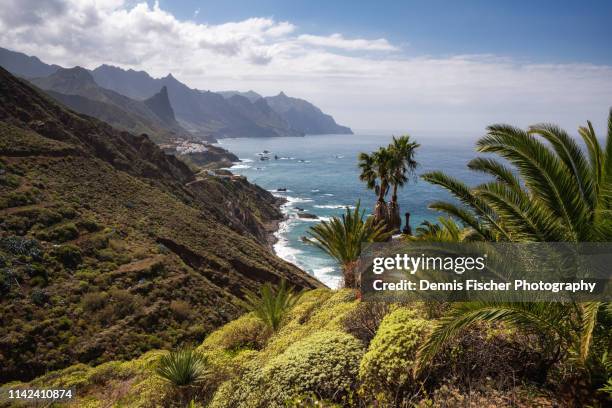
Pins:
x: 555, y: 192
x: 183, y: 367
x: 271, y: 304
x: 342, y: 238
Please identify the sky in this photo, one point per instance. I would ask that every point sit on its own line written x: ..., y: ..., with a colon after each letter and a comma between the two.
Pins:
x: 440, y: 66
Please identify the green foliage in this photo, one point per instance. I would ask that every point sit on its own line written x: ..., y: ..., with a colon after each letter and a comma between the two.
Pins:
x: 60, y: 233
x: 342, y: 238
x: 555, y: 192
x: 68, y: 255
x: 563, y: 329
x: 387, y: 367
x: 445, y: 230
x: 246, y: 332
x: 39, y: 297
x: 272, y: 304
x: 388, y: 167
x: 94, y: 301
x: 183, y: 367
x: 325, y: 363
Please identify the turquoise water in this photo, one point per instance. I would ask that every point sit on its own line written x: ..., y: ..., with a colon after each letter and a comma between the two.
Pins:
x: 321, y: 176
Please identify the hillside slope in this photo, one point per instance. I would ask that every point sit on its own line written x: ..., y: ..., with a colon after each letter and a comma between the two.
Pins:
x: 108, y: 246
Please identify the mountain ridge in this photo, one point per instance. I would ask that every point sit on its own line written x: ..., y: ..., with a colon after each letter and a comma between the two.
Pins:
x: 206, y: 114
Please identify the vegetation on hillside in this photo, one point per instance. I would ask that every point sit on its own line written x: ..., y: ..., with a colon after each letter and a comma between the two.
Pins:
x: 109, y: 247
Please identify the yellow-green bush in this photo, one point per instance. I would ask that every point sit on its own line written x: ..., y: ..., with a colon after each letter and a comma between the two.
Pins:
x: 326, y: 363
x: 246, y: 332
x: 387, y: 366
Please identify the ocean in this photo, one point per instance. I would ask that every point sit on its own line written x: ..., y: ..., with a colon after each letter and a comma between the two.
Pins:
x: 321, y: 177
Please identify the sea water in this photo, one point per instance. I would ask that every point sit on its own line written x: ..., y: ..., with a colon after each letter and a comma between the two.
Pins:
x: 321, y: 176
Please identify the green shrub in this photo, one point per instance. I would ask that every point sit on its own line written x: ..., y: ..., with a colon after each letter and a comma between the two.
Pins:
x: 48, y: 217
x: 182, y: 367
x: 94, y: 301
x: 89, y: 225
x: 68, y: 255
x: 39, y: 297
x: 63, y: 233
x: 271, y: 304
x: 363, y: 322
x: 387, y: 367
x: 180, y: 309
x: 18, y: 224
x: 18, y: 199
x: 121, y: 303
x: 325, y: 363
x: 246, y: 332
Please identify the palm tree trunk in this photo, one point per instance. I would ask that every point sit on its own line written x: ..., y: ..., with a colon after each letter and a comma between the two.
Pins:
x: 381, y: 212
x: 395, y: 221
x: 348, y: 272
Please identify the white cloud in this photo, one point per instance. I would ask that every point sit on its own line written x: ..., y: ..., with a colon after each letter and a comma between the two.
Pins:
x: 364, y: 83
x: 338, y: 41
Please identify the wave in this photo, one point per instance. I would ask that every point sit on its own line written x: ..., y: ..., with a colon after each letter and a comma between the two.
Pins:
x: 246, y: 160
x: 328, y: 275
x: 316, y: 190
x: 292, y: 200
x: 328, y: 194
x: 240, y: 166
x: 319, y: 219
x: 283, y: 247
x: 334, y: 206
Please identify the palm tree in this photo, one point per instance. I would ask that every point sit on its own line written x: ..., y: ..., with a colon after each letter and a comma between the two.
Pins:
x: 554, y: 193
x: 445, y: 230
x: 271, y: 304
x: 403, y: 165
x: 376, y: 172
x: 342, y: 238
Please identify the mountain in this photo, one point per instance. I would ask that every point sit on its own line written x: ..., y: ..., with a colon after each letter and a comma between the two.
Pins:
x: 304, y: 116
x: 25, y: 66
x: 205, y: 114
x: 109, y: 246
x: 202, y: 112
x: 260, y: 113
x: 250, y: 95
x: 76, y: 88
x: 159, y: 104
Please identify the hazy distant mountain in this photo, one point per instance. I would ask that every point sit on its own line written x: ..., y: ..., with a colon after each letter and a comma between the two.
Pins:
x: 250, y: 95
x: 304, y: 116
x: 203, y: 113
x: 25, y: 66
x: 160, y: 105
x: 260, y: 112
x: 76, y: 88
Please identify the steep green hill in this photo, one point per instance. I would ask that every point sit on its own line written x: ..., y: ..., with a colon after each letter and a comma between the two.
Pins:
x: 109, y: 247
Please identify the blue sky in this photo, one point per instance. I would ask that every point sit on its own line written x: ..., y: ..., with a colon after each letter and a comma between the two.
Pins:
x: 398, y: 65
x: 541, y: 30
